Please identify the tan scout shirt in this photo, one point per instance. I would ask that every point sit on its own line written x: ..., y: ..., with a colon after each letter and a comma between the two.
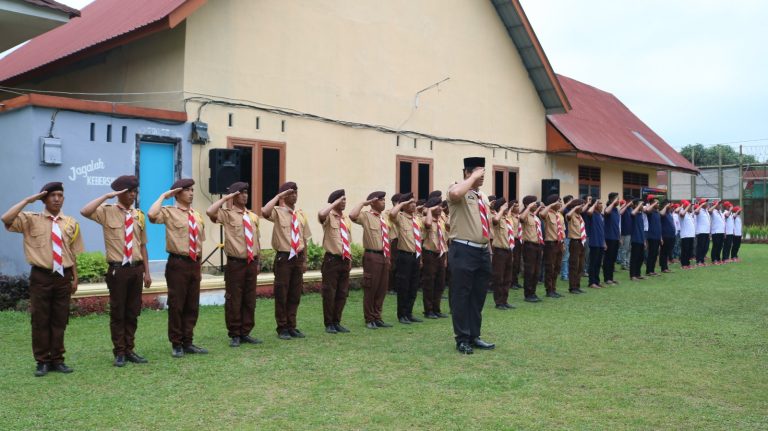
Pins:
x: 281, y: 234
x: 392, y: 232
x: 332, y: 233
x: 550, y: 225
x: 112, y: 221
x: 234, y: 232
x: 372, y: 235
x: 529, y: 228
x: 405, y: 231
x: 500, y: 238
x: 464, y: 218
x: 574, y: 226
x: 176, y: 221
x: 38, y: 247
x: 431, y: 239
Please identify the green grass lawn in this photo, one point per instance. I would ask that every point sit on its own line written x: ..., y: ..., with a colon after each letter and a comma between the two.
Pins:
x: 688, y: 350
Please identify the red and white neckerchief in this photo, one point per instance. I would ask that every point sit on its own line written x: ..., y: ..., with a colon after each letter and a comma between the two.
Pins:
x: 346, y: 253
x: 538, y: 230
x: 384, y: 236
x: 519, y: 230
x: 248, y: 232
x: 193, y: 234
x: 560, y: 229
x: 294, y: 235
x: 582, y: 231
x: 483, y: 214
x: 416, y: 237
x: 128, y: 246
x: 440, y: 242
x: 510, y: 233
x: 56, y: 245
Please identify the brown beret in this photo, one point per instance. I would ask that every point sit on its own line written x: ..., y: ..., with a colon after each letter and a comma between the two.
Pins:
x: 396, y: 198
x: 421, y: 202
x: 575, y: 203
x: 239, y: 186
x: 123, y: 182
x: 445, y: 204
x: 495, y: 205
x: 52, y: 187
x: 376, y: 195
x: 290, y: 185
x: 183, y: 183
x: 435, y: 194
x: 335, y: 195
x: 491, y: 198
x: 405, y: 197
x: 528, y: 200
x: 551, y: 199
x: 433, y: 202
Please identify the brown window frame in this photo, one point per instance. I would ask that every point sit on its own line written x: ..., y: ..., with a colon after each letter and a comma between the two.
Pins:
x: 415, y: 161
x: 257, y: 145
x: 586, y: 177
x: 634, y: 185
x: 506, y: 170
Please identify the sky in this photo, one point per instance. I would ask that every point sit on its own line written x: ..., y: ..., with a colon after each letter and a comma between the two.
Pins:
x: 693, y: 70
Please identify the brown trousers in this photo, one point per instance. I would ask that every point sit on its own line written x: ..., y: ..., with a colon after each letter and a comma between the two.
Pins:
x: 183, y: 278
x: 516, y: 261
x: 124, y: 284
x: 501, y: 274
x: 240, y: 295
x: 575, y: 264
x: 432, y: 280
x: 49, y: 295
x: 531, y: 268
x: 335, y: 271
x: 553, y: 261
x: 375, y: 284
x: 392, y: 261
x: 289, y: 284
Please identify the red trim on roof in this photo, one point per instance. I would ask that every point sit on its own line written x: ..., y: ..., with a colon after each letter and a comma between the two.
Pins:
x: 600, y: 125
x: 70, y: 104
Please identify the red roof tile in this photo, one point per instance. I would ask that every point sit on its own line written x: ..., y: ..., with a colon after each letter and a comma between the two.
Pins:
x: 101, y: 21
x: 600, y: 124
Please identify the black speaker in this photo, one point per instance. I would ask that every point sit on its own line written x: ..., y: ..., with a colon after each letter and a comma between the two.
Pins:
x: 549, y: 187
x: 225, y: 169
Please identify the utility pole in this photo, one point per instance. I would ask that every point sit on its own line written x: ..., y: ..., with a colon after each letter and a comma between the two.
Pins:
x: 693, y: 177
x: 741, y: 176
x: 720, y: 172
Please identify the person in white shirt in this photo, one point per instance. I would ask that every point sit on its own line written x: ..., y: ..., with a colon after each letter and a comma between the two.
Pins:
x: 717, y: 229
x: 728, y: 243
x: 737, y: 224
x: 703, y: 227
x: 676, y: 220
x: 687, y: 233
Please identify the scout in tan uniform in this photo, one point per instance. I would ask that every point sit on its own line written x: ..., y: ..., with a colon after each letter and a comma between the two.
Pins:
x: 554, y: 243
x: 376, y: 260
x: 435, y: 259
x: 501, y: 261
x: 578, y: 240
x: 125, y: 240
x: 409, y: 227
x: 513, y: 216
x: 289, y: 240
x: 393, y: 244
x: 337, y: 262
x: 533, y: 244
x: 469, y: 256
x: 242, y: 247
x: 184, y: 236
x: 51, y: 242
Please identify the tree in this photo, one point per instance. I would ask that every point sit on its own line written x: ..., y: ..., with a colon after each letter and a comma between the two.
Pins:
x: 700, y: 155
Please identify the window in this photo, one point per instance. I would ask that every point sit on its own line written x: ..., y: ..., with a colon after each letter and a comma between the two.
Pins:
x: 93, y: 132
x: 589, y: 181
x: 634, y: 183
x: 505, y: 182
x: 124, y: 134
x: 414, y: 175
x: 262, y: 165
x: 109, y: 133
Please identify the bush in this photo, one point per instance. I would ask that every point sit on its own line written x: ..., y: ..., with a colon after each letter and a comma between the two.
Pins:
x: 13, y: 291
x: 315, y: 254
x: 267, y: 260
x: 91, y: 267
x: 357, y: 255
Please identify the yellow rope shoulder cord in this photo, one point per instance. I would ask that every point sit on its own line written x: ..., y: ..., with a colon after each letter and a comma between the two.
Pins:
x: 142, y: 220
x: 77, y: 229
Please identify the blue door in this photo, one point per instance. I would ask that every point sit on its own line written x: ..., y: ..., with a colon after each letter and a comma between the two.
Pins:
x: 156, y: 174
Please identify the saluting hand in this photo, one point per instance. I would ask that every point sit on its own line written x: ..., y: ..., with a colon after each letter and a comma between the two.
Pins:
x: 172, y: 192
x: 35, y: 197
x: 338, y: 201
x: 231, y: 195
x: 110, y: 195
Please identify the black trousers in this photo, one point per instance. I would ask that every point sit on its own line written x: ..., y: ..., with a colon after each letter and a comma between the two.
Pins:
x: 636, y: 259
x: 406, y: 282
x: 653, y: 255
x: 686, y: 251
x: 609, y: 260
x: 727, y: 245
x: 470, y: 274
x: 736, y: 247
x: 595, y: 261
x: 666, y: 252
x: 717, y: 246
x: 702, y: 246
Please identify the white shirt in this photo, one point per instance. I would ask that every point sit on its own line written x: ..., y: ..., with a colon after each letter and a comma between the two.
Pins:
x: 729, y: 224
x: 645, y: 222
x: 737, y: 225
x: 687, y: 226
x: 703, y: 222
x: 718, y: 222
x: 676, y: 220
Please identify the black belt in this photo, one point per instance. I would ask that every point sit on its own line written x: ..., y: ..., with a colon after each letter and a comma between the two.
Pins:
x: 49, y: 270
x: 335, y: 256
x: 182, y: 257
x: 407, y: 252
x: 130, y: 265
x: 431, y: 252
x: 501, y: 249
x: 288, y: 253
x: 374, y: 251
x: 241, y: 260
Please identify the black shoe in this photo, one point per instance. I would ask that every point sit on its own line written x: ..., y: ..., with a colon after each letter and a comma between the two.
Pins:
x: 580, y: 291
x: 464, y: 348
x: 135, y: 358
x: 295, y: 333
x: 234, y: 342
x: 340, y: 328
x: 414, y: 319
x: 177, y: 352
x: 195, y: 349
x: 382, y: 324
x: 61, y: 368
x: 575, y: 291
x: 501, y: 307
x: 284, y: 335
x: 480, y: 344
x: 42, y: 369
x: 120, y: 360
x: 441, y: 315
x: 331, y: 329
x: 516, y: 286
x: 533, y: 298
x: 404, y: 320
x: 552, y: 295
x: 431, y: 315
x: 509, y: 306
x: 371, y: 325
x: 250, y: 340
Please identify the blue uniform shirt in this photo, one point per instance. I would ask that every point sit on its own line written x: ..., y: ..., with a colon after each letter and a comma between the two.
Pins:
x: 667, y: 226
x: 638, y: 228
x: 626, y: 222
x: 613, y: 225
x: 654, y: 225
x: 595, y: 227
